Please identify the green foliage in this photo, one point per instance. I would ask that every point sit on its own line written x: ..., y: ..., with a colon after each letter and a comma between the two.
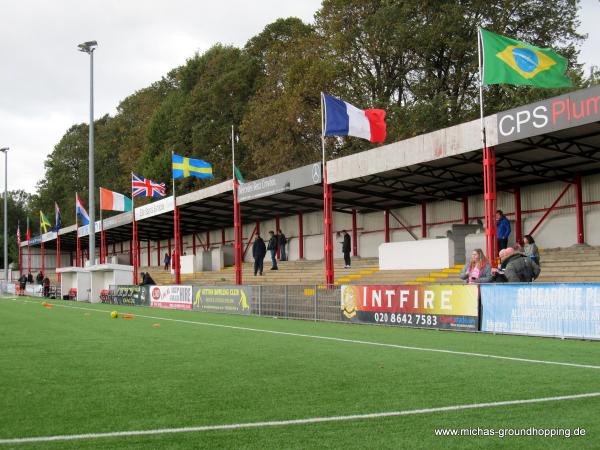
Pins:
x: 417, y: 59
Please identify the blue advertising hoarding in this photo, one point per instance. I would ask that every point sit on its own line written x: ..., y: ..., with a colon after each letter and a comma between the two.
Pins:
x: 557, y: 310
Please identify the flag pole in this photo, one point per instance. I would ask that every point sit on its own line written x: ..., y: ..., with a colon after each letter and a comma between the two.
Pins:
x: 489, y: 166
x: 20, y: 254
x: 237, y: 219
x: 77, y: 248
x: 28, y: 248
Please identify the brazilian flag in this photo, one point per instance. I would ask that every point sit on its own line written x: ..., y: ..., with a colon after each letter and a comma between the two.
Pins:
x: 506, y: 61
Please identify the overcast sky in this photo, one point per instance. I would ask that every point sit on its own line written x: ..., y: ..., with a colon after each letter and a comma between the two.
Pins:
x: 44, y: 80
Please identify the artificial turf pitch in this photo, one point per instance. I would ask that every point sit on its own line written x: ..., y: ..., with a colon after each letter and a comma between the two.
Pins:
x: 71, y: 369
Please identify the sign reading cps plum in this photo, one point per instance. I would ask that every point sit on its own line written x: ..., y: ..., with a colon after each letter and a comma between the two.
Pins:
x: 439, y: 306
x: 173, y: 297
x: 557, y: 113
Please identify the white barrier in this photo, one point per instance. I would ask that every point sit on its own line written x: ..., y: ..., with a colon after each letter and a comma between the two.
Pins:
x: 422, y: 254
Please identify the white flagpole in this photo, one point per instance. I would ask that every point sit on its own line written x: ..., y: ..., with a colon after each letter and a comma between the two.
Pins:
x: 480, y: 57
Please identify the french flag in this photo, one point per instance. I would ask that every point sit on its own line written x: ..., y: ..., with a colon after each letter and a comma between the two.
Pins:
x: 344, y: 119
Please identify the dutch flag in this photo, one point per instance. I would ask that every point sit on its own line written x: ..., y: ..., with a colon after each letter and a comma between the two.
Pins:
x: 344, y: 119
x: 81, y: 212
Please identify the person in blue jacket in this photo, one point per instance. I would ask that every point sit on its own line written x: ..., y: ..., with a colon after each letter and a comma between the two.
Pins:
x: 502, y: 230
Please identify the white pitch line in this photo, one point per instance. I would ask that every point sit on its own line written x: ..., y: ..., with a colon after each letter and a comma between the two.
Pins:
x: 351, y: 341
x: 277, y: 423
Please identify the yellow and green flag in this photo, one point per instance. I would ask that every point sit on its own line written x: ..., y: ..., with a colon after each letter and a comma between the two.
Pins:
x: 44, y: 222
x: 507, y: 61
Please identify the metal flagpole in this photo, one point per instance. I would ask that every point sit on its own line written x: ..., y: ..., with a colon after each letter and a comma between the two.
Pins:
x: 28, y: 248
x: 176, y: 251
x: 489, y: 168
x: 237, y: 220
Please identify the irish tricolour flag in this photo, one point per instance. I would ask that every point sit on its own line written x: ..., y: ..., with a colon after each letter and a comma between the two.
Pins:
x: 113, y: 201
x: 344, y: 119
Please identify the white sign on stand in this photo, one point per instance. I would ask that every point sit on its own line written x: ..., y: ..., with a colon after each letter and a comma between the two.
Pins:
x: 421, y: 254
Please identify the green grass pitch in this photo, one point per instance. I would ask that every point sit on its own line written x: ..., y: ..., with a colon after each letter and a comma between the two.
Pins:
x: 71, y: 369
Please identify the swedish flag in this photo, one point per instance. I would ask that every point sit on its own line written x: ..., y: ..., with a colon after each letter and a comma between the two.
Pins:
x: 44, y: 222
x: 507, y: 61
x: 187, y: 167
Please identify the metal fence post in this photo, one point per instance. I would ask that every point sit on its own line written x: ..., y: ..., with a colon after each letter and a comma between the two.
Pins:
x: 259, y: 300
x: 316, y: 300
x: 285, y: 300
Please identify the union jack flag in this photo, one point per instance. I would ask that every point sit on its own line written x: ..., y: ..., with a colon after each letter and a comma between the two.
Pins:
x: 146, y: 188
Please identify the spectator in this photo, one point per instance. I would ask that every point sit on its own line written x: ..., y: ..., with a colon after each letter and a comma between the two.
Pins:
x: 346, y: 248
x: 39, y: 278
x: 272, y: 247
x: 22, y: 284
x: 46, y: 287
x: 147, y: 279
x: 530, y: 249
x: 502, y: 230
x: 478, y: 270
x: 281, y: 241
x: 259, y: 250
x: 515, y: 267
x: 30, y: 278
x: 167, y: 261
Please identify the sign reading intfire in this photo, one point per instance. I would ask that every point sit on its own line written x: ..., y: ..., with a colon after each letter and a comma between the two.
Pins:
x: 439, y: 306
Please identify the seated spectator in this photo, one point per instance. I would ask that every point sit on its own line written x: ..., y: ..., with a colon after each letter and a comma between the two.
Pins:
x: 478, y: 270
x: 515, y: 268
x: 530, y: 249
x: 147, y: 279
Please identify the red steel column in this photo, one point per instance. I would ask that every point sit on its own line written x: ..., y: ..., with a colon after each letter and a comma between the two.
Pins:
x: 518, y: 220
x: 300, y: 237
x: 177, y: 250
x: 465, y: 210
x: 148, y: 255
x: 194, y: 244
x: 135, y: 252
x: 424, y: 219
x: 57, y: 256
x: 579, y: 210
x: 158, y: 261
x: 237, y: 227
x: 489, y: 195
x: 208, y: 240
x: 276, y: 230
x: 222, y: 236
x: 354, y: 234
x: 258, y: 227
x: 43, y: 258
x: 386, y: 225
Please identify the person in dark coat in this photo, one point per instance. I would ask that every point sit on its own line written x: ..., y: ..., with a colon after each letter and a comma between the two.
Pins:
x: 22, y: 284
x: 346, y: 248
x: 272, y: 247
x: 259, y: 250
x: 516, y: 267
x: 167, y: 261
x: 39, y: 278
x: 147, y: 279
x: 30, y: 278
x: 281, y: 241
x: 502, y: 230
x: 46, y: 287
